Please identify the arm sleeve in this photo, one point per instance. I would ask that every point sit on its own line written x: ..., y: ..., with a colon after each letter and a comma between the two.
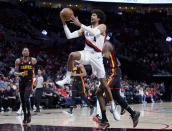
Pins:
x: 94, y: 32
x: 70, y: 35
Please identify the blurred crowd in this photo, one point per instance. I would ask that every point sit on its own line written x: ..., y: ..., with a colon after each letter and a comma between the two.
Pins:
x: 133, y: 92
x: 141, y: 92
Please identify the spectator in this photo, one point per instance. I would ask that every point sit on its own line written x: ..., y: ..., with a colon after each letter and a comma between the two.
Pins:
x: 48, y: 94
x: 9, y: 99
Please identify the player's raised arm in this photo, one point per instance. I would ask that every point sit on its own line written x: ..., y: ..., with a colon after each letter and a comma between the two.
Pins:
x: 93, y: 31
x: 69, y: 34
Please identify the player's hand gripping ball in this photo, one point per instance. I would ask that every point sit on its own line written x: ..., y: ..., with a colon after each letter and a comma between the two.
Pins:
x: 67, y: 13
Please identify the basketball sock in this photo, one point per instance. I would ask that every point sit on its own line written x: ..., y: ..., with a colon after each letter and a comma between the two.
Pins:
x: 104, y: 115
x: 130, y: 111
x: 25, y: 115
x: 98, y: 108
x: 68, y: 74
x: 28, y: 112
x: 112, y: 104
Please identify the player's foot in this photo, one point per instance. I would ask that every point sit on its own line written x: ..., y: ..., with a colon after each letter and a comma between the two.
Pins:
x: 135, y: 118
x: 104, y: 124
x: 63, y: 82
x: 122, y: 111
x: 115, y: 113
x: 19, y: 112
x: 25, y: 121
x: 28, y: 118
x: 91, y: 110
x: 69, y: 112
x: 97, y: 118
x: 37, y: 110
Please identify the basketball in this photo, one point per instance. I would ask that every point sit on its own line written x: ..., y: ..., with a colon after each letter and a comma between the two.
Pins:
x: 67, y: 13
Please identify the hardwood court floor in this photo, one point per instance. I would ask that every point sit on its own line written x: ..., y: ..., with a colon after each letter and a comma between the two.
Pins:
x: 153, y: 116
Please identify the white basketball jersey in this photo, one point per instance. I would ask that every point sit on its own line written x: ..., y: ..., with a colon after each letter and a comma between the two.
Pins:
x: 94, y: 43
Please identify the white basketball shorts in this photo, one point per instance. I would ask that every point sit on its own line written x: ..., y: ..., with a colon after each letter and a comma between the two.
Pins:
x: 95, y: 59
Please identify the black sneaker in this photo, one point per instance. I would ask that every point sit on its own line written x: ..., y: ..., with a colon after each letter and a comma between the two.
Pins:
x: 28, y: 118
x: 91, y: 110
x: 104, y: 124
x: 37, y: 111
x: 25, y: 121
x: 122, y: 111
x: 135, y: 118
x: 69, y: 112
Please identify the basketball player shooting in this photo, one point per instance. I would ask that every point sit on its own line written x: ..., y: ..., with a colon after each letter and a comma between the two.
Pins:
x: 92, y: 53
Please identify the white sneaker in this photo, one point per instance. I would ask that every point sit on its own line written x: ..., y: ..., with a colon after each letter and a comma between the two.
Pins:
x: 152, y: 101
x: 2, y: 109
x: 19, y: 112
x: 115, y: 113
x: 34, y: 107
x: 63, y: 82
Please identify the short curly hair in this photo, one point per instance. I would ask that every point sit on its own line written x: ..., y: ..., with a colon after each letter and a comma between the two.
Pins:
x: 100, y: 14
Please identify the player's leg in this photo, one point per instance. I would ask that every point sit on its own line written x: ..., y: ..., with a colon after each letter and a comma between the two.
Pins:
x: 97, y: 118
x: 27, y: 94
x: 98, y: 109
x: 23, y: 103
x: 72, y: 57
x: 83, y: 97
x: 70, y: 63
x: 106, y: 89
x: 116, y: 95
x: 108, y: 94
x: 27, y: 101
x: 104, y: 121
x: 97, y: 65
x: 81, y: 89
x: 20, y: 111
x: 73, y: 99
x: 111, y: 82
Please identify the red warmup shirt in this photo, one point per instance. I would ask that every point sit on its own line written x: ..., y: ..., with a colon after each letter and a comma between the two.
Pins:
x: 63, y: 92
x: 151, y: 92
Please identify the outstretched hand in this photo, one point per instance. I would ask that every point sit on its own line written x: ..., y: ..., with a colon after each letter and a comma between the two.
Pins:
x: 75, y: 21
x: 62, y: 19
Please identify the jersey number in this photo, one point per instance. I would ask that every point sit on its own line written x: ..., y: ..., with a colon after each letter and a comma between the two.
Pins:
x: 25, y: 73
